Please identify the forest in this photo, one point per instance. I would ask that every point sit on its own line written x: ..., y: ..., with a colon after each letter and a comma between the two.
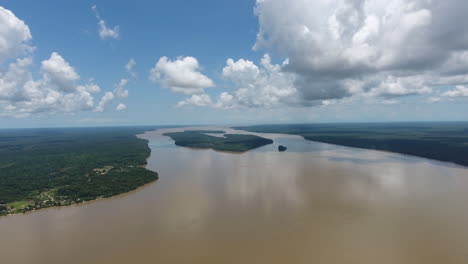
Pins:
x: 443, y: 141
x: 230, y: 142
x: 61, y: 166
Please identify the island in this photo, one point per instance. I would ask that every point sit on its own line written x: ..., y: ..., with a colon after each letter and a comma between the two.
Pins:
x: 230, y: 142
x: 282, y: 148
x: 42, y: 168
x: 208, y: 131
x: 442, y: 141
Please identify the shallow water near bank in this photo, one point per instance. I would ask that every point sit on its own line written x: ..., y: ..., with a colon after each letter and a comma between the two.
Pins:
x: 314, y: 203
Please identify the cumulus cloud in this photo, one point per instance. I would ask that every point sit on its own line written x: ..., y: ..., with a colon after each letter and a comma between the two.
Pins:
x: 121, y: 107
x: 459, y: 91
x: 14, y: 36
x: 181, y: 75
x: 196, y: 100
x: 56, y: 89
x: 371, y: 48
x: 120, y: 90
x: 129, y: 67
x: 105, y: 31
x: 226, y: 101
x: 388, y: 86
x: 106, y: 98
x: 58, y: 71
x: 257, y: 86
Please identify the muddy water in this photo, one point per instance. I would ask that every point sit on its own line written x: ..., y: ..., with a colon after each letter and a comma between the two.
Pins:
x: 314, y: 203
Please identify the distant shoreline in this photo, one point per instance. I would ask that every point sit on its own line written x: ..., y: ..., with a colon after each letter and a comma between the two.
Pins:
x: 445, y: 142
x: 83, y: 202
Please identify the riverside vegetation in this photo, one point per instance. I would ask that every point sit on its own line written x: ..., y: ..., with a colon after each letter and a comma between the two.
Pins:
x: 443, y: 141
x: 230, y: 142
x: 53, y: 167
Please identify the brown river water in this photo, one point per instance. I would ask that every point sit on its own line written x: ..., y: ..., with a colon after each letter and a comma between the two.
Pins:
x: 314, y: 203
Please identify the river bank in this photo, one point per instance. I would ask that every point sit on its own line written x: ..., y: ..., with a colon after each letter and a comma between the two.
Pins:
x: 61, y: 167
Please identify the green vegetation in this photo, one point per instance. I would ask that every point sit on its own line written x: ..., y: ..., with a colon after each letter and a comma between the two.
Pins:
x: 230, y: 142
x: 51, y: 167
x: 207, y: 131
x: 443, y: 141
x: 20, y: 204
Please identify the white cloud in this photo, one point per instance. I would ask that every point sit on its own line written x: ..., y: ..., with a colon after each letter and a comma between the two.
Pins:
x: 226, y: 101
x: 181, y: 75
x: 345, y: 34
x: 254, y: 86
x: 106, y: 98
x: 129, y: 67
x: 120, y: 90
x: 121, y: 107
x: 56, y: 91
x: 58, y: 87
x: 105, y: 31
x: 366, y: 48
x: 391, y: 86
x: 16, y: 76
x: 196, y: 100
x: 459, y: 91
x: 58, y: 71
x: 14, y: 36
x: 434, y: 99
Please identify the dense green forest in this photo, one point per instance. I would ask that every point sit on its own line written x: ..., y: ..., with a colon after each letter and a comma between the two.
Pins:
x: 207, y: 131
x: 443, y: 141
x: 230, y: 142
x: 49, y: 167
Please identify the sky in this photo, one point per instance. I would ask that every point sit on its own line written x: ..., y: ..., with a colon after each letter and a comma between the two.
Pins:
x: 111, y: 63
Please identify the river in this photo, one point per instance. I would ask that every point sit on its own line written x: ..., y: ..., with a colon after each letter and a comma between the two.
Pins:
x: 314, y: 203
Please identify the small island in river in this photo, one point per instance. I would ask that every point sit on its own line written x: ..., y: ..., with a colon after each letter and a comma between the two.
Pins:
x: 282, y: 148
x: 41, y: 168
x: 230, y: 142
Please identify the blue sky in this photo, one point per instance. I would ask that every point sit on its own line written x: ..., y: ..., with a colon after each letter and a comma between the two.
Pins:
x: 290, y: 84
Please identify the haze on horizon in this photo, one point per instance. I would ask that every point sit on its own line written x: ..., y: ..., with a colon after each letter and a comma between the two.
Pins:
x: 94, y: 63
